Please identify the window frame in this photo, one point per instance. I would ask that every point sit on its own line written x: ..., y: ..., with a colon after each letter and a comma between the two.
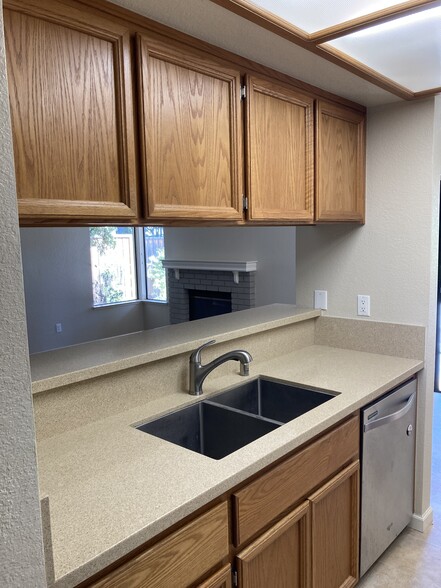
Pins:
x: 140, y: 273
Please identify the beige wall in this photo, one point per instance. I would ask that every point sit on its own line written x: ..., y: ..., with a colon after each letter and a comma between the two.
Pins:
x: 21, y: 555
x: 393, y: 258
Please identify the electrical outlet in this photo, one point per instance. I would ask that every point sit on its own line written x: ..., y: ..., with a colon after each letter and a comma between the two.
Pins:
x: 364, y: 305
x: 58, y: 328
x: 321, y: 299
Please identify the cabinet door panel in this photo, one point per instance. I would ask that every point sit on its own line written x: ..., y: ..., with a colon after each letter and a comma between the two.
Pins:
x: 179, y: 559
x: 191, y: 133
x: 280, y: 166
x: 267, y: 497
x: 222, y: 579
x: 71, y: 111
x: 280, y: 557
x: 340, y: 147
x: 335, y: 514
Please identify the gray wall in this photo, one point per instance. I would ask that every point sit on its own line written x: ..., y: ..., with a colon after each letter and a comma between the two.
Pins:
x: 21, y: 549
x: 274, y: 249
x: 57, y: 277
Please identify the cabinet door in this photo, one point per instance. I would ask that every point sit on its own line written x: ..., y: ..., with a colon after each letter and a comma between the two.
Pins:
x: 340, y: 144
x: 179, y: 559
x: 222, y: 579
x: 191, y: 137
x: 71, y: 108
x: 280, y: 557
x: 335, y: 530
x: 280, y: 153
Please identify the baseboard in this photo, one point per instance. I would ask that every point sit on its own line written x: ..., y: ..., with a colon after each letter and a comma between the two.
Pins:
x: 422, y: 523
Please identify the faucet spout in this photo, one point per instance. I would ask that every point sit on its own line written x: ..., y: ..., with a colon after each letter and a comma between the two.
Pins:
x: 199, y: 372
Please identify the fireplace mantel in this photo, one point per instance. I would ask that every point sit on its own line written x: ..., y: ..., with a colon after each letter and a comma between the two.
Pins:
x: 217, y: 266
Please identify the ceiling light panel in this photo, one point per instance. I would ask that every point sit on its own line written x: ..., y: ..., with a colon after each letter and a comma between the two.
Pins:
x: 406, y: 50
x: 315, y: 15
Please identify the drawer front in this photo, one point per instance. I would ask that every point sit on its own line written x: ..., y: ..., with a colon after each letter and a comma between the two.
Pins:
x: 262, y: 501
x: 179, y: 559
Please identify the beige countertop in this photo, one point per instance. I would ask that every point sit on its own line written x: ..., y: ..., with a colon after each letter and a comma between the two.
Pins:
x: 77, y: 363
x: 112, y: 487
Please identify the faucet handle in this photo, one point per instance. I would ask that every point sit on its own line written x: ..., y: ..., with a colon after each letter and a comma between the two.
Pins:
x: 195, y: 357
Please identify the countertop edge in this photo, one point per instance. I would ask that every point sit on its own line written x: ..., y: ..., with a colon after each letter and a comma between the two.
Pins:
x: 50, y: 383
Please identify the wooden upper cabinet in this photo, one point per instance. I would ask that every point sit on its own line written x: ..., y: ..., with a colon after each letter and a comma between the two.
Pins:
x: 191, y: 133
x: 70, y: 93
x: 340, y: 163
x: 280, y: 153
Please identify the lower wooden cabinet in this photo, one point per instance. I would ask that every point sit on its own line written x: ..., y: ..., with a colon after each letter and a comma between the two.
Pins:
x: 314, y: 546
x: 294, y: 526
x: 334, y: 531
x: 222, y: 579
x: 280, y: 557
x: 180, y: 559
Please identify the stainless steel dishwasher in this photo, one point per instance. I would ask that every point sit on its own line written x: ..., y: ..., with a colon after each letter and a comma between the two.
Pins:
x: 387, y: 474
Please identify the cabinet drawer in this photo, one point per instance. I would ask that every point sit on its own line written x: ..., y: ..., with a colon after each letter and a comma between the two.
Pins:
x: 259, y: 503
x: 179, y: 559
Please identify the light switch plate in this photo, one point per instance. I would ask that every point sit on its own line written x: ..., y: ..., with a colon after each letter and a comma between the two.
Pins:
x: 321, y: 299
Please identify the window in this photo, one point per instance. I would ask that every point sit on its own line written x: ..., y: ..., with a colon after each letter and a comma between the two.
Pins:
x: 154, y: 254
x: 127, y: 264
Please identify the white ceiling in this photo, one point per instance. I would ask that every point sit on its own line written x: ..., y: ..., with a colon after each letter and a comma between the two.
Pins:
x: 315, y: 15
x: 208, y: 21
x: 406, y: 50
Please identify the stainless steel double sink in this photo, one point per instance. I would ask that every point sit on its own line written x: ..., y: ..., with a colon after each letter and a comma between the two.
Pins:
x: 227, y: 421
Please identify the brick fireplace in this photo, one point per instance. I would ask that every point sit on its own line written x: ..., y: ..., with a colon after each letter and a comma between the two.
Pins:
x: 218, y: 280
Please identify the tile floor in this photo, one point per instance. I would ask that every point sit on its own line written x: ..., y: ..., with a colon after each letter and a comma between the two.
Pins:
x: 414, y: 559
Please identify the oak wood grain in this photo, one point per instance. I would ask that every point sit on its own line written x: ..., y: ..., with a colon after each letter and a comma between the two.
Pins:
x: 179, y: 559
x: 191, y: 133
x: 71, y: 111
x: 280, y: 557
x: 340, y: 163
x: 139, y: 23
x: 335, y: 535
x: 261, y: 501
x: 280, y: 152
x: 221, y: 579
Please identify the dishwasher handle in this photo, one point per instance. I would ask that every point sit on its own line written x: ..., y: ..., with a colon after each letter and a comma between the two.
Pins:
x: 391, y: 417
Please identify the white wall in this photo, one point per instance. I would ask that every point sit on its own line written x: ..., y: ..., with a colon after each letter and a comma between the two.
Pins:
x: 274, y: 249
x: 21, y: 550
x: 393, y: 258
x: 58, y: 289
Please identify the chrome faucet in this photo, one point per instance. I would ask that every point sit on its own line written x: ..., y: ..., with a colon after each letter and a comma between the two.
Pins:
x: 199, y: 372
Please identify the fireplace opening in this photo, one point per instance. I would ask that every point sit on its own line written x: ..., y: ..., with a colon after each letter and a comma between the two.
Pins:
x: 203, y: 303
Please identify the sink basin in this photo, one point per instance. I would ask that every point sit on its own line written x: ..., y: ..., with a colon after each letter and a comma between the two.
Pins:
x: 272, y: 399
x: 214, y: 431
x: 225, y: 422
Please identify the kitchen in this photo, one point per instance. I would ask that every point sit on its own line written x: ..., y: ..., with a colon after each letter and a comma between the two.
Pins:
x: 394, y: 252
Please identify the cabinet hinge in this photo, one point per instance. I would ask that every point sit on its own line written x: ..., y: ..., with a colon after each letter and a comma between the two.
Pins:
x: 243, y: 92
x: 234, y: 577
x: 245, y: 202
